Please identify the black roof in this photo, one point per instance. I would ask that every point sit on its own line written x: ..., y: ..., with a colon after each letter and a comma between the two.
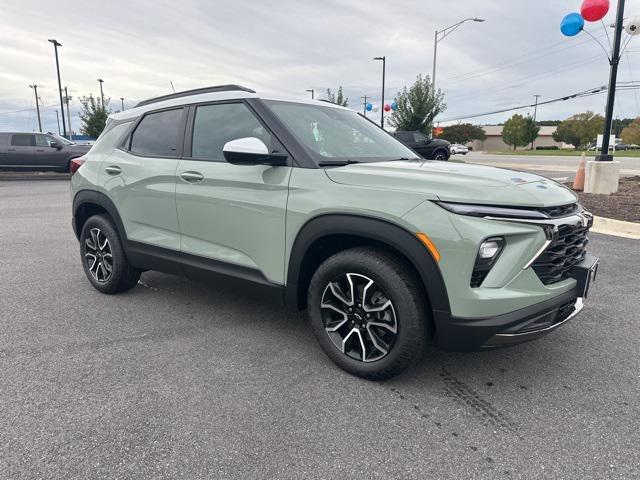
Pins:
x: 196, y: 91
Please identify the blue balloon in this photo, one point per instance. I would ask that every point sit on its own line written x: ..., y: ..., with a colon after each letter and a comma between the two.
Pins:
x: 572, y: 24
x: 394, y: 106
x: 369, y: 107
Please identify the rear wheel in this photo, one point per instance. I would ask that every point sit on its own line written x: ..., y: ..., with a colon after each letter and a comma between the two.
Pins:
x: 367, y: 311
x: 103, y: 257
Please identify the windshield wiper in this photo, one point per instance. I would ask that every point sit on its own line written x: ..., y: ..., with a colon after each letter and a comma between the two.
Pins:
x: 336, y: 163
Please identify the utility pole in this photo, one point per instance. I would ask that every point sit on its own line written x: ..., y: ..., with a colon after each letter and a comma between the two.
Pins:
x: 611, y: 92
x: 66, y: 100
x: 57, y: 44
x: 35, y: 91
x: 100, y: 81
x: 58, y: 120
x: 535, y: 112
x: 122, y: 100
x: 312, y: 93
x: 364, y: 102
x: 384, y: 63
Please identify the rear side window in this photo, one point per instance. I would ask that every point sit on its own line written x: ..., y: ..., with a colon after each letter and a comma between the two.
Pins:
x: 405, y: 137
x: 23, y: 140
x: 215, y: 125
x: 157, y: 134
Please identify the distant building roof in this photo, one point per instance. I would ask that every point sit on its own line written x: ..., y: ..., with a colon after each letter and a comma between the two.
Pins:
x: 496, y: 131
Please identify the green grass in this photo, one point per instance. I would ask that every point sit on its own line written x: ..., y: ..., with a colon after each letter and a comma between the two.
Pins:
x: 565, y: 153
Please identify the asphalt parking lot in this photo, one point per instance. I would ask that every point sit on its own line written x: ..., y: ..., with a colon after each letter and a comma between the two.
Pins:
x: 176, y: 379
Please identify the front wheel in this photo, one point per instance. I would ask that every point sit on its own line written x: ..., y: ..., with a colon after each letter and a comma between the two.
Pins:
x: 440, y: 155
x: 367, y: 312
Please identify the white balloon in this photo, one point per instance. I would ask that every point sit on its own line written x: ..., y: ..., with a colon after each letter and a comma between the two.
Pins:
x: 376, y: 108
x: 633, y: 26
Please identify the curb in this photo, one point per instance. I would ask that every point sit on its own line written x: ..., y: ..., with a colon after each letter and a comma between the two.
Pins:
x: 618, y: 228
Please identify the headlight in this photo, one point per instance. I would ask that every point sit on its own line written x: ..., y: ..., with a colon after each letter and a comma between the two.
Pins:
x: 488, y: 253
x: 490, y: 211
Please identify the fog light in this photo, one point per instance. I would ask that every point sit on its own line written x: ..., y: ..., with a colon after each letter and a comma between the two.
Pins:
x: 488, y: 253
x: 489, y: 248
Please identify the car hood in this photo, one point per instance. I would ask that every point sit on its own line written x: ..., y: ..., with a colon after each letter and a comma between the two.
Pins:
x: 456, y: 182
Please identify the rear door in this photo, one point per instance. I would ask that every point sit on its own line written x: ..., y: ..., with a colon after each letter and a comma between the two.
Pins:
x: 4, y: 140
x: 21, y: 150
x: 231, y: 215
x: 140, y: 178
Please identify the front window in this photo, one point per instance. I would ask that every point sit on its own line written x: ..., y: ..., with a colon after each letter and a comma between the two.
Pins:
x: 59, y: 138
x: 336, y: 134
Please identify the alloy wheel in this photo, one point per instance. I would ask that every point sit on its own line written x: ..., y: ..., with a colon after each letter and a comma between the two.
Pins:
x: 359, y: 317
x: 98, y: 255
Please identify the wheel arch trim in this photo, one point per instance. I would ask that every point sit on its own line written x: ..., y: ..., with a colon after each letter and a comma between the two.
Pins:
x: 383, y: 231
x: 84, y: 197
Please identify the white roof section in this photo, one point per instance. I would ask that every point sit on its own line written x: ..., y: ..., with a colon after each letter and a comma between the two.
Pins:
x: 133, y: 113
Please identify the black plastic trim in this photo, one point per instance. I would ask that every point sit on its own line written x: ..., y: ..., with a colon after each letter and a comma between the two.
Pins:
x: 195, y: 91
x: 385, y: 232
x: 100, y: 199
x: 464, y: 334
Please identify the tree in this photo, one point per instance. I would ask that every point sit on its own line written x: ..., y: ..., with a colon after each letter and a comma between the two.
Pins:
x: 631, y: 134
x: 93, y: 116
x: 618, y: 125
x: 417, y: 106
x: 338, y: 98
x: 463, y: 133
x: 519, y: 131
x: 579, y: 129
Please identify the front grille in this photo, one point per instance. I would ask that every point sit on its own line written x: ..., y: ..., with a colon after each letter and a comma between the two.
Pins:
x: 560, y: 211
x: 565, y: 251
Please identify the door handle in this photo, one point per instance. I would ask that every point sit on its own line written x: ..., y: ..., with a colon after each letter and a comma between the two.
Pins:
x: 11, y: 149
x: 192, y: 177
x: 113, y: 170
x: 39, y: 150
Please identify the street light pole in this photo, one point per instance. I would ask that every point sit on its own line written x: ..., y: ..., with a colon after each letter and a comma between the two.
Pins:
x: 439, y: 36
x: 57, y: 44
x: 611, y: 92
x: 312, y: 93
x: 35, y: 91
x: 384, y: 62
x: 100, y: 81
x: 122, y: 100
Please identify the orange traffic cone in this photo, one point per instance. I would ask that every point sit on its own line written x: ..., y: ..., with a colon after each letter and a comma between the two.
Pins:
x: 578, y: 183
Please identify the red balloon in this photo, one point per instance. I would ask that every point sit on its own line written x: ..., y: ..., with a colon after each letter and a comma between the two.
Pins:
x: 387, y: 107
x: 594, y: 10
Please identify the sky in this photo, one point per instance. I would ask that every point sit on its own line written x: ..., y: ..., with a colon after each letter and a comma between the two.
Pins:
x: 139, y: 47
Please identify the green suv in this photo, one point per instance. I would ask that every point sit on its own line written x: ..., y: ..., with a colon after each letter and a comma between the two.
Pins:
x: 312, y: 205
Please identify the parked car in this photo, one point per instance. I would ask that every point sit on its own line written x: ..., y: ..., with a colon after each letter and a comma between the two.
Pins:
x: 432, y: 149
x: 38, y: 151
x: 313, y: 206
x: 457, y: 148
x: 622, y: 146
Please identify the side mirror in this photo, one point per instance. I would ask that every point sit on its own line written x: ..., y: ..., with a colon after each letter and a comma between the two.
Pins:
x: 54, y: 144
x: 251, y: 151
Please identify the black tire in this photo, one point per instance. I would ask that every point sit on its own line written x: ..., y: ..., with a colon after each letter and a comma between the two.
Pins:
x: 441, y: 155
x: 398, y: 283
x: 105, y: 247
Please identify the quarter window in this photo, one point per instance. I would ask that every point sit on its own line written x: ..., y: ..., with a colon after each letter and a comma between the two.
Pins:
x: 21, y: 140
x: 215, y: 125
x: 157, y: 134
x: 42, y: 141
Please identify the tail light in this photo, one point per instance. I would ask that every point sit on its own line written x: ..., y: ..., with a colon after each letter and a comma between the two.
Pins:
x: 75, y: 164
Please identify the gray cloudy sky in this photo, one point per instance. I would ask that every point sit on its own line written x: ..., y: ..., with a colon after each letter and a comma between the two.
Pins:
x: 288, y: 46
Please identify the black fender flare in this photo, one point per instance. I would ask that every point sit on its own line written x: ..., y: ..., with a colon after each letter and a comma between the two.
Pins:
x: 376, y: 229
x: 84, y: 197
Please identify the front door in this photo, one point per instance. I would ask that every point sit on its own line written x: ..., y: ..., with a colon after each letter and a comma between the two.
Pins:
x: 46, y: 155
x: 231, y: 216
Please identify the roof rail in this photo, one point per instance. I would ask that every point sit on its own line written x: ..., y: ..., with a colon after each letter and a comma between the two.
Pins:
x: 196, y: 91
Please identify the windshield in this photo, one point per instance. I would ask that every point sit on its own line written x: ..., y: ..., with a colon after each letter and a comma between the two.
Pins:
x: 336, y: 134
x: 61, y: 139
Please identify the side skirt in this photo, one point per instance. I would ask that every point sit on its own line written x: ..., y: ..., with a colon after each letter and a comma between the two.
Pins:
x: 206, y: 270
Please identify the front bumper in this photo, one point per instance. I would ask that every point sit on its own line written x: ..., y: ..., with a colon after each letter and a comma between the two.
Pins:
x: 523, y: 325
